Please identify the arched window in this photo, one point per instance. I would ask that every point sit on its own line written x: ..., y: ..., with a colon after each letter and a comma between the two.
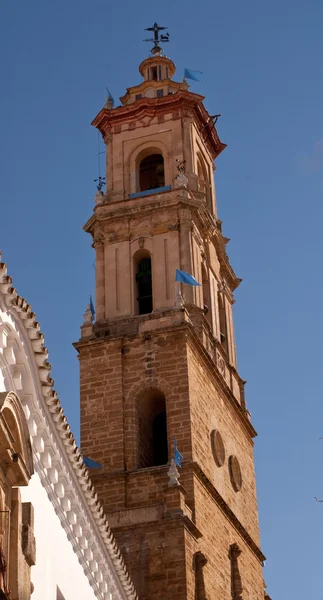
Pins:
x: 202, y: 175
x: 151, y: 172
x: 206, y: 295
x: 203, y: 180
x: 223, y: 323
x: 143, y: 287
x: 152, y: 429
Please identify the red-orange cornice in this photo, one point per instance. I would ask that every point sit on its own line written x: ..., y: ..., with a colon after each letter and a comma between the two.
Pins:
x: 182, y: 102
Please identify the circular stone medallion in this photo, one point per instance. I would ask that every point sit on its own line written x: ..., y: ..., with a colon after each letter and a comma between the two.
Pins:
x: 235, y: 473
x: 218, y: 449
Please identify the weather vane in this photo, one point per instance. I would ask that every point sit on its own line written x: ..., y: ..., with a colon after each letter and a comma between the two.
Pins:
x: 100, y: 183
x: 157, y: 39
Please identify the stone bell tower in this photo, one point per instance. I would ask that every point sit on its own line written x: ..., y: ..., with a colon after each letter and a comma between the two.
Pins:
x: 158, y: 364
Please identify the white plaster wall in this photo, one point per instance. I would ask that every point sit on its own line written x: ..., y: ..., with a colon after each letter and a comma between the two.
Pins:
x: 56, y: 562
x: 24, y: 371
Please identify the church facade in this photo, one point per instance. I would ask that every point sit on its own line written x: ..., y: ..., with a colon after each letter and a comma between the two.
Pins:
x: 159, y: 363
x: 55, y: 541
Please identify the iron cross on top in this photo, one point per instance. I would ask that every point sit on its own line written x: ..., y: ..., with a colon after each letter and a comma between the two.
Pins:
x: 157, y: 38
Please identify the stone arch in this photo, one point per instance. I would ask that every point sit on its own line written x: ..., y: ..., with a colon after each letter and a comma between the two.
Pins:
x: 156, y: 382
x: 151, y: 147
x: 14, y: 426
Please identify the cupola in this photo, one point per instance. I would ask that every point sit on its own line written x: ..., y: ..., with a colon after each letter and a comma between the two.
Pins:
x: 157, y: 68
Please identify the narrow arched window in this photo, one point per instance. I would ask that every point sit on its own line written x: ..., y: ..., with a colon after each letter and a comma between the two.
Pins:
x: 202, y: 175
x: 152, y: 429
x: 223, y: 323
x: 206, y: 295
x: 144, y: 286
x: 204, y: 180
x: 151, y: 172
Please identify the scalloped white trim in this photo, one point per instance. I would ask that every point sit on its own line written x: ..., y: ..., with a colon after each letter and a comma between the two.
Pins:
x: 58, y: 460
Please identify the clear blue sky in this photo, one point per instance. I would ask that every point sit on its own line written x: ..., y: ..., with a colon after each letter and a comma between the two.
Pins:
x: 262, y: 65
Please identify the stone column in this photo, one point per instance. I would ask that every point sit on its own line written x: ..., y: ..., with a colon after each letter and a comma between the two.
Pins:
x: 109, y: 162
x: 188, y: 153
x: 236, y: 584
x: 186, y: 263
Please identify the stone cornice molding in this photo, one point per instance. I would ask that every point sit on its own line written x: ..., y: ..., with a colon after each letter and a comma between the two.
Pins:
x: 111, y: 330
x: 183, y: 102
x: 113, y: 212
x: 58, y: 461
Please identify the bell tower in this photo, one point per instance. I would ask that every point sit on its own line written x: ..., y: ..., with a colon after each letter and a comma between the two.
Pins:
x: 159, y: 362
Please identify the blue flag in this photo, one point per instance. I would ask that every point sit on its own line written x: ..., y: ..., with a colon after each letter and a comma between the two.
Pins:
x: 177, y: 455
x: 92, y: 306
x: 194, y: 75
x: 110, y: 97
x: 184, y: 277
x: 91, y: 464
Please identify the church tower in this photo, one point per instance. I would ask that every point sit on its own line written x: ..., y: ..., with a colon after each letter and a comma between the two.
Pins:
x: 159, y: 362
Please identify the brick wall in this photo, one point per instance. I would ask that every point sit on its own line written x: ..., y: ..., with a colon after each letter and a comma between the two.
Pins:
x: 163, y: 548
x: 211, y: 408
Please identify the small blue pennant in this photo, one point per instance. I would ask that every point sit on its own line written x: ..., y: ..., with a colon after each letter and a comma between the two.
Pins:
x: 91, y: 464
x: 178, y: 457
x: 194, y: 75
x: 92, y: 306
x: 184, y: 277
x: 110, y: 97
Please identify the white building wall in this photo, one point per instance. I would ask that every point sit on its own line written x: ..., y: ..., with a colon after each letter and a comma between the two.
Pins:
x: 65, y: 502
x: 57, y: 564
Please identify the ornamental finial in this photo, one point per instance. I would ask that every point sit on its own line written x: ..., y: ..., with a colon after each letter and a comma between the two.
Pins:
x: 157, y: 39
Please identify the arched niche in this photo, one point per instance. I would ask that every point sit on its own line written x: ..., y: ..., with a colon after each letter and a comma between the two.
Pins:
x: 15, y: 446
x: 152, y: 442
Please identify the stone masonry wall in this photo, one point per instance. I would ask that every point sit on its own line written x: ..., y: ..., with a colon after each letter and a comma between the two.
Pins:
x: 211, y: 409
x: 218, y: 535
x: 160, y: 553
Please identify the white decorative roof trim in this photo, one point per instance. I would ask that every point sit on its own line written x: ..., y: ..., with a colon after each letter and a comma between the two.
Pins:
x: 55, y: 450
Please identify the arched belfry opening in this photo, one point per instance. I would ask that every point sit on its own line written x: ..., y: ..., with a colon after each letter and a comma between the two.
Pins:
x: 143, y: 283
x: 151, y: 172
x: 152, y: 429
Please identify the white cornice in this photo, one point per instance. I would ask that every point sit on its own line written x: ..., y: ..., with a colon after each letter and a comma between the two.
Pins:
x: 58, y: 461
